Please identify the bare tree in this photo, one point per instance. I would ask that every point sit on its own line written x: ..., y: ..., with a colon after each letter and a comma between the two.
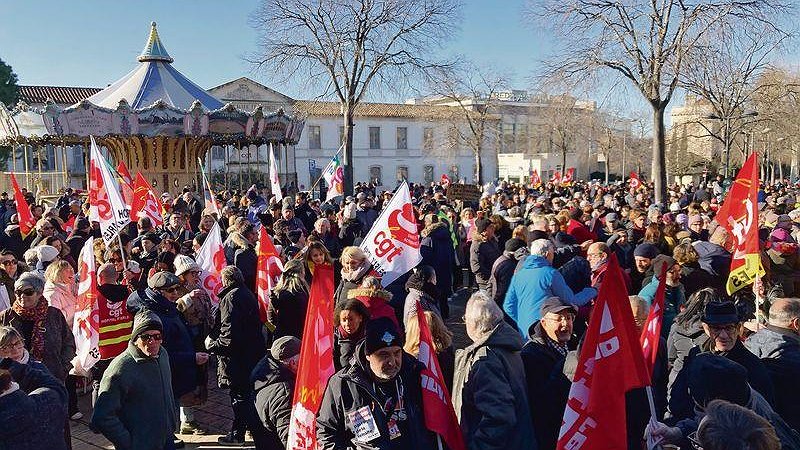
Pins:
x: 564, y: 119
x: 473, y: 92
x: 351, y: 46
x: 645, y: 42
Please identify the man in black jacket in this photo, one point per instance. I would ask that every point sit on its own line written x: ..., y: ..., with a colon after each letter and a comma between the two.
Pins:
x: 504, y: 268
x: 273, y: 389
x: 376, y: 402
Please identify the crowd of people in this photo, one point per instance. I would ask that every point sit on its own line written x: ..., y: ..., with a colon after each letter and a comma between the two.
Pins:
x: 530, y: 259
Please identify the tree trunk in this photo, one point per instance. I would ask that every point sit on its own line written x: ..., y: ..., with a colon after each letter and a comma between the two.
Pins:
x: 793, y: 171
x: 658, y: 171
x: 478, y: 166
x: 605, y: 165
x: 347, y: 163
x: 563, y: 160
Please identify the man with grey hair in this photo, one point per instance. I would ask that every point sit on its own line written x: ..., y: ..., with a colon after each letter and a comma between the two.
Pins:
x: 537, y: 281
x: 778, y: 346
x: 489, y: 391
x: 237, y: 341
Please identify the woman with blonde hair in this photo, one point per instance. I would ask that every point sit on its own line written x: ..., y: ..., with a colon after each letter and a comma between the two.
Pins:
x: 355, y: 267
x: 442, y: 343
x: 60, y: 289
x: 289, y: 301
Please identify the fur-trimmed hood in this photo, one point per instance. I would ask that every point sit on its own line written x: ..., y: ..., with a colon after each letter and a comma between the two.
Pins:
x: 431, y: 228
x: 360, y: 293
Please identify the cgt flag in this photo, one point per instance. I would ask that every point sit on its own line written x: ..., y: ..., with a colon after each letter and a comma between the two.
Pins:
x: 634, y: 181
x: 105, y: 197
x: 569, y: 177
x: 651, y: 334
x: 334, y: 178
x: 211, y: 259
x: 86, y: 326
x: 439, y: 414
x: 269, y: 270
x: 392, y: 244
x: 145, y: 202
x: 316, y: 362
x: 556, y: 178
x: 739, y: 216
x: 26, y: 222
x: 610, y: 364
x: 536, y: 180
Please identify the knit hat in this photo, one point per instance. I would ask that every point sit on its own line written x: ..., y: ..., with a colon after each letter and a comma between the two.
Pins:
x: 46, y: 253
x: 184, y: 264
x: 145, y: 320
x: 161, y: 280
x: 381, y: 332
x: 482, y: 224
x: 514, y: 244
x: 646, y: 250
x: 720, y: 313
x: 717, y: 377
x: 285, y: 347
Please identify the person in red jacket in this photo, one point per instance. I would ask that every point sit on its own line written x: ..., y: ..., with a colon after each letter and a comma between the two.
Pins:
x: 577, y: 229
x: 375, y: 298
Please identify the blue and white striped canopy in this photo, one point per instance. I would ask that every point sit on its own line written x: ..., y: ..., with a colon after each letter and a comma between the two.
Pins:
x: 152, y: 80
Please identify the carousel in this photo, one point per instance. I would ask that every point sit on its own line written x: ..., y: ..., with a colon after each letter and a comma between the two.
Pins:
x: 154, y: 119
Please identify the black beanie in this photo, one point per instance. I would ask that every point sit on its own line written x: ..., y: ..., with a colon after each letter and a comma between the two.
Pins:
x: 380, y: 333
x: 145, y: 320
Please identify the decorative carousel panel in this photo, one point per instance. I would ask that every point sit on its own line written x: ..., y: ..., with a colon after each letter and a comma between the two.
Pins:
x: 54, y: 119
x: 275, y: 127
x: 87, y: 119
x: 124, y: 121
x: 161, y: 120
x: 228, y: 120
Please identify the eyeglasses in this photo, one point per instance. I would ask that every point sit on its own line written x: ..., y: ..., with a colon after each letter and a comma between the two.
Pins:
x: 29, y: 292
x: 10, y: 262
x: 151, y: 337
x: 718, y: 329
x: 115, y: 260
x: 170, y: 290
x: 561, y: 319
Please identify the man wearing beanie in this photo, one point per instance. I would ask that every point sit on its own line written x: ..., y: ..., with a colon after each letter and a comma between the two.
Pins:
x: 503, y: 269
x: 273, y: 388
x: 135, y: 408
x: 643, y: 256
x: 376, y: 402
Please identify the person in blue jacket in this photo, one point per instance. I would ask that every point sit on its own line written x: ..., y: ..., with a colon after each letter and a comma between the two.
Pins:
x: 536, y: 281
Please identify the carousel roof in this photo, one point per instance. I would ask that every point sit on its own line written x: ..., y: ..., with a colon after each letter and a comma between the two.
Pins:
x: 152, y: 80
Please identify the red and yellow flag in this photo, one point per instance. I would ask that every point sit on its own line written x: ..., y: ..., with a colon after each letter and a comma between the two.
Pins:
x: 26, y: 222
x: 739, y: 215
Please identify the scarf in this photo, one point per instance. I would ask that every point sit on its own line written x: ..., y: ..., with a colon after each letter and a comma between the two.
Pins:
x: 37, y: 315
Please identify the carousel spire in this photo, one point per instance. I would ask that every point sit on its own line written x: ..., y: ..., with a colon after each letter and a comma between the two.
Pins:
x: 154, y: 50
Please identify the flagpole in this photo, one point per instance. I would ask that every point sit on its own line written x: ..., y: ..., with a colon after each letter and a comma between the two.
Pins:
x: 649, y: 390
x: 122, y: 253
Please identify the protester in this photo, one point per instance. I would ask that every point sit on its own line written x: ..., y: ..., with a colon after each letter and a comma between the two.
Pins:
x: 355, y: 267
x: 289, y: 301
x: 273, y: 389
x: 484, y: 251
x: 422, y: 287
x: 442, y: 343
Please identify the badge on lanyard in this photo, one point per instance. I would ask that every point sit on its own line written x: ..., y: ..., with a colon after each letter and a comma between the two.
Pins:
x: 363, y: 423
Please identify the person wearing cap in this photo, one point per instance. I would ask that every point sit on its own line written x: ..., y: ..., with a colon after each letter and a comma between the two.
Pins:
x: 44, y: 229
x: 365, y: 210
x: 244, y: 257
x: 273, y: 389
x: 136, y: 408
x: 643, y: 256
x: 292, y: 222
x: 77, y: 239
x: 376, y: 401
x: 303, y: 211
x: 696, y: 230
x: 483, y: 252
x: 721, y: 323
x: 237, y: 341
x: 351, y: 230
x: 489, y: 390
x: 549, y: 341
x: 503, y: 269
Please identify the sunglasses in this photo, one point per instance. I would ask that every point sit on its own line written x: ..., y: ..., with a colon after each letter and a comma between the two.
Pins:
x: 170, y: 290
x: 150, y: 337
x: 9, y: 262
x: 25, y: 292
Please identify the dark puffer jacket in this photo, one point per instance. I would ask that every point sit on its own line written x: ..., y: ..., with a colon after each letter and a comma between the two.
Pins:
x: 438, y: 252
x: 345, y: 347
x: 273, y: 387
x: 59, y: 343
x: 352, y: 391
x: 779, y: 350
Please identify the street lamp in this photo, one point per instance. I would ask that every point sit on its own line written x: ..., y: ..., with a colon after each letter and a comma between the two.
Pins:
x: 727, y: 121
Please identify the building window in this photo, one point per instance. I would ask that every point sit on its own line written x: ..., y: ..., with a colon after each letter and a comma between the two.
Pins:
x: 218, y: 153
x: 375, y: 175
x: 427, y: 138
x: 374, y: 138
x: 402, y: 138
x: 427, y: 174
x: 314, y: 137
x: 402, y: 173
x: 454, y: 173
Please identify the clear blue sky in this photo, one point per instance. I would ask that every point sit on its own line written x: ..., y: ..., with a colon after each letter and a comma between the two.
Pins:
x: 93, y: 42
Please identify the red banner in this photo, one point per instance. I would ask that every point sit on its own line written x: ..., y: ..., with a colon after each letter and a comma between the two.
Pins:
x: 634, y: 181
x: 145, y: 203
x: 269, y: 270
x: 445, y: 180
x: 739, y: 215
x: 536, y: 180
x: 556, y: 178
x: 439, y: 414
x: 126, y: 182
x: 26, y: 222
x: 651, y: 334
x: 609, y: 365
x: 569, y: 177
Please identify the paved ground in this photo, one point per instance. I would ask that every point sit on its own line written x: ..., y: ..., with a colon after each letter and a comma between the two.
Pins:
x: 216, y: 415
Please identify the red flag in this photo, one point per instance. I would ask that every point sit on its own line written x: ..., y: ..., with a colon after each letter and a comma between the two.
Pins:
x: 445, y: 180
x: 536, y: 180
x: 316, y: 362
x: 739, y: 215
x: 126, y: 182
x: 269, y: 270
x: 439, y: 414
x: 556, y: 178
x: 609, y: 365
x: 568, y: 177
x: 651, y: 334
x: 634, y: 181
x: 69, y: 224
x: 145, y: 202
x: 26, y: 222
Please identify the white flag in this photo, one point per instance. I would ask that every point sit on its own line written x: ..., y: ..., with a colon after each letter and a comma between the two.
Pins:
x: 211, y: 259
x: 275, y: 182
x: 334, y: 178
x: 85, y: 328
x: 392, y: 244
x: 105, y: 196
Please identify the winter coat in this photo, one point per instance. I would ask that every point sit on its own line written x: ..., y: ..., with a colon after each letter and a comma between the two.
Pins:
x: 680, y: 342
x: 713, y: 259
x: 352, y: 392
x: 427, y: 302
x: 694, y: 278
x: 367, y: 217
x: 482, y: 256
x: 779, y: 350
x: 377, y: 303
x: 236, y: 336
x: 500, y: 279
x: 135, y: 407
x: 546, y: 381
x: 287, y: 312
x: 489, y: 393
x: 59, y: 343
x: 674, y: 299
x: 177, y: 340
x: 345, y: 347
x: 438, y: 252
x: 33, y: 420
x: 245, y: 259
x: 351, y: 233
x: 273, y: 387
x: 680, y: 402
x: 62, y: 296
x: 536, y: 282
x: 350, y: 281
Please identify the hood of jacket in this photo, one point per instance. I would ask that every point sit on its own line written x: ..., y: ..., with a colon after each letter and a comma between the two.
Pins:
x: 436, y: 230
x: 709, y: 250
x: 535, y: 262
x: 269, y: 371
x: 773, y: 342
x: 369, y: 296
x: 503, y: 336
x: 152, y: 300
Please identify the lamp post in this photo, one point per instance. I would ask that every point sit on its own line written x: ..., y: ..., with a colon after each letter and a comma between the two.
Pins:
x: 727, y: 141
